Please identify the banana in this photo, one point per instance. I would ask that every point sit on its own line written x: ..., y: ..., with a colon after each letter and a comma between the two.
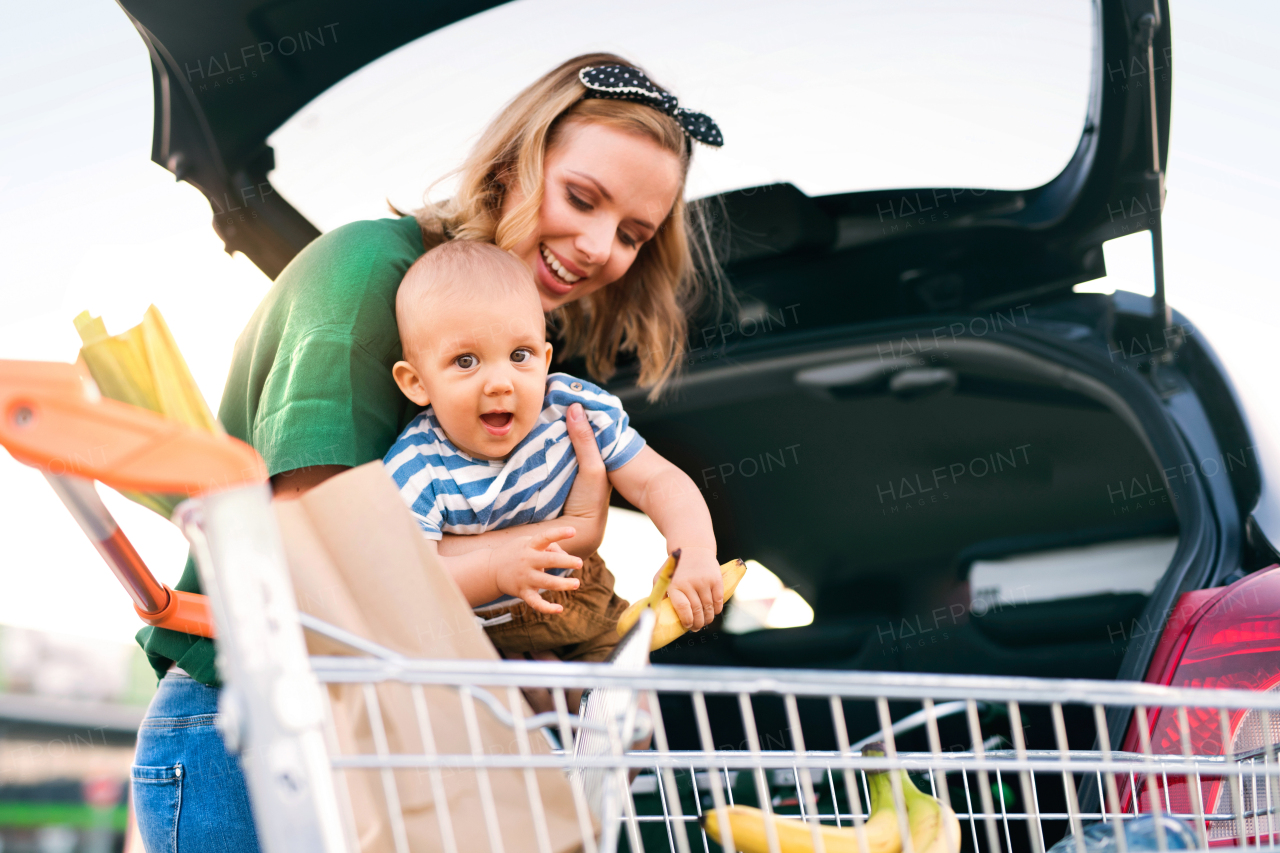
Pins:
x: 750, y: 834
x: 668, y: 627
x: 934, y: 827
x: 796, y: 836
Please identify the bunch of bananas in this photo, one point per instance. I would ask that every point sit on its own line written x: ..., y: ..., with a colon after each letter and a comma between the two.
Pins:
x: 667, y: 627
x: 934, y: 827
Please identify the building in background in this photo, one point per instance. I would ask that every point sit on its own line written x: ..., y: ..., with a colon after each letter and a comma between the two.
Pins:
x: 69, y: 714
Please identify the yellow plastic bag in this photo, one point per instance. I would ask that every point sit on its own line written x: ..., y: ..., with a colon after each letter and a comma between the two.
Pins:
x: 143, y: 367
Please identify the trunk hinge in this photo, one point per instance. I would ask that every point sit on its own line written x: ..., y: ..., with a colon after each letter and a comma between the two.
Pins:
x: 1144, y: 38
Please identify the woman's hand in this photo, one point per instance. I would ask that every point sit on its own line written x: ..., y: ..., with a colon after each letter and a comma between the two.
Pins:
x: 587, y: 506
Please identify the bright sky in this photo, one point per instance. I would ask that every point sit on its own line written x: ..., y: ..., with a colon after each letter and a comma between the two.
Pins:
x: 1001, y: 107
x: 87, y: 221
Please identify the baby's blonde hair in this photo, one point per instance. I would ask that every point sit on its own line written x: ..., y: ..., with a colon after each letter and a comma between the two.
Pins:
x: 646, y: 311
x: 455, y: 272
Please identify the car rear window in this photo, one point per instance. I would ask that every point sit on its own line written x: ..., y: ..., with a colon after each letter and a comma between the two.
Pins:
x: 830, y: 96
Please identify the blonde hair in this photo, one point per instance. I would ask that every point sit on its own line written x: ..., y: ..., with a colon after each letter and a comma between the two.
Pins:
x: 646, y: 310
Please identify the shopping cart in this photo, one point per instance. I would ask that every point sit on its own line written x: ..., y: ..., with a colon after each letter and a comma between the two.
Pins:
x: 1023, y: 762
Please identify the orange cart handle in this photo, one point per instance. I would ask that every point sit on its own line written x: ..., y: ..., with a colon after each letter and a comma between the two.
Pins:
x: 187, y: 612
x: 155, y: 603
x: 52, y: 417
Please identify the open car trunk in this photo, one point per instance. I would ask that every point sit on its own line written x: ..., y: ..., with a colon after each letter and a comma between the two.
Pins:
x: 953, y: 511
x: 963, y: 506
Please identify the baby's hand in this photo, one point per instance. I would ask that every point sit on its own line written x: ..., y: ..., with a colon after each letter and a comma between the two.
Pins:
x: 697, y: 589
x: 519, y: 568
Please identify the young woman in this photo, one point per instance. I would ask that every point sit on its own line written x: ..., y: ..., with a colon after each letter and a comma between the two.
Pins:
x: 582, y: 177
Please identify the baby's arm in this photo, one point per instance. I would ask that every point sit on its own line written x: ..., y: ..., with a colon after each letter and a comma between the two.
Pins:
x: 517, y: 567
x: 671, y: 499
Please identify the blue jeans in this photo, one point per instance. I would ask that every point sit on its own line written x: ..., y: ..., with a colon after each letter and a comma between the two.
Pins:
x: 189, y: 794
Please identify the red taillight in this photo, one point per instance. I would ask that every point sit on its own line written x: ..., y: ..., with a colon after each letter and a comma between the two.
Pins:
x: 1227, y: 638
x: 1267, y: 630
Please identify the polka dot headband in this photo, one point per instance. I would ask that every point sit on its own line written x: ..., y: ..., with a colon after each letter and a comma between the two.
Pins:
x: 622, y: 82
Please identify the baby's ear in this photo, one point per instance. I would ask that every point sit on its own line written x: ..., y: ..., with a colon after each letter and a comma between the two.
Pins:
x: 410, y: 382
x: 548, y: 345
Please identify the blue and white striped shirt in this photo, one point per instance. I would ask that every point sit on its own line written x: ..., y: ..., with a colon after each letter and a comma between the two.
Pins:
x: 450, y: 491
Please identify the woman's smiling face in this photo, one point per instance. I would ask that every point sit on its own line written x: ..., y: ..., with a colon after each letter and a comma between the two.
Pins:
x: 605, y: 194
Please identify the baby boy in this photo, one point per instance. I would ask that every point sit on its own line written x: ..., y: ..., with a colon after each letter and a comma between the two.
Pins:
x: 492, y: 450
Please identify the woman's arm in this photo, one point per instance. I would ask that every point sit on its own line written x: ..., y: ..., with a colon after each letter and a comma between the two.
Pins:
x: 672, y: 501
x: 291, y: 484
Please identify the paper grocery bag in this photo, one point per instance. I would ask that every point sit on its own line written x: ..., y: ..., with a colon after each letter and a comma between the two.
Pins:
x: 359, y: 562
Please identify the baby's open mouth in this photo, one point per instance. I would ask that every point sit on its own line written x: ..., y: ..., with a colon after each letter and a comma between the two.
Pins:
x: 497, y: 420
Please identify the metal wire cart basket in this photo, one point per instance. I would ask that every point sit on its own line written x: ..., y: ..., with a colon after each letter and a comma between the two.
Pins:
x: 1025, y: 763
x: 963, y: 749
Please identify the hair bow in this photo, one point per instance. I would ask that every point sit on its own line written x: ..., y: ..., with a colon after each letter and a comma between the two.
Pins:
x: 630, y: 84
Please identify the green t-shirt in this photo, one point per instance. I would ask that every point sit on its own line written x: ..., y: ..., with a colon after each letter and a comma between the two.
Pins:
x: 310, y: 381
